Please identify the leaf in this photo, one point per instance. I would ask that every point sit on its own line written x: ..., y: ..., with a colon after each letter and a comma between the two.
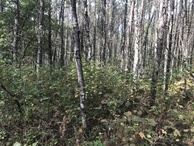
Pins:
x: 177, y: 132
x: 35, y: 144
x: 141, y: 134
x: 128, y: 113
x: 151, y: 122
x: 17, y: 144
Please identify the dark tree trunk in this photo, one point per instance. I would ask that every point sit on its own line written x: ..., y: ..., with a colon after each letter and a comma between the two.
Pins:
x: 50, y: 34
x: 62, y: 34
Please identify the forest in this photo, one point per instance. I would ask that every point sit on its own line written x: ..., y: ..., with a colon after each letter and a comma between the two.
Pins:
x: 96, y: 72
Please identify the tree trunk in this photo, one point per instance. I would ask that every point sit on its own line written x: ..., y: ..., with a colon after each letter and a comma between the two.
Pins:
x: 87, y: 31
x: 50, y: 34
x: 77, y: 56
x: 62, y: 34
x: 16, y: 31
x: 130, y: 35
x: 124, y: 35
x: 168, y: 51
x: 40, y: 35
x: 137, y: 46
x: 103, y: 23
x: 160, y: 44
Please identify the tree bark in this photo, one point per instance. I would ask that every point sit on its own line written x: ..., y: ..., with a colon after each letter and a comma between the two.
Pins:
x: 160, y: 44
x: 87, y: 30
x: 168, y: 51
x: 40, y: 36
x: 77, y: 56
x: 62, y: 34
x: 130, y: 36
x: 124, y: 35
x: 137, y: 46
x: 16, y: 31
x: 50, y: 34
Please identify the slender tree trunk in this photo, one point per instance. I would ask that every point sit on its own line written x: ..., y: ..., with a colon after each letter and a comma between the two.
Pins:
x: 192, y: 45
x: 145, y: 41
x: 16, y: 30
x: 40, y: 35
x: 137, y: 46
x: 95, y: 31
x: 50, y: 34
x: 124, y: 35
x: 130, y: 35
x: 160, y: 44
x: 62, y: 34
x: 103, y: 23
x: 168, y: 51
x: 77, y: 56
x: 87, y: 30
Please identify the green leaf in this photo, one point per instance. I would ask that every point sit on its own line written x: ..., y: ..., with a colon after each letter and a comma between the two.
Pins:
x: 35, y: 144
x: 17, y: 144
x: 151, y: 122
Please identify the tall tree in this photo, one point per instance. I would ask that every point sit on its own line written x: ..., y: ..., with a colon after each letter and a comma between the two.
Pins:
x: 168, y: 50
x: 130, y: 35
x: 87, y: 30
x: 16, y: 30
x: 62, y: 33
x: 77, y: 56
x: 50, y: 33
x: 160, y: 44
x: 40, y: 35
x: 103, y: 27
x: 138, y: 34
x: 124, y: 35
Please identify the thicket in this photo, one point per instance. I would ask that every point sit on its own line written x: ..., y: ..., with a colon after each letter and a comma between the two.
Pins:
x: 42, y: 109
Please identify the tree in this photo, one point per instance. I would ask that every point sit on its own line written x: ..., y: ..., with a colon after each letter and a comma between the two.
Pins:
x: 16, y: 30
x: 158, y: 51
x: 87, y: 30
x: 137, y: 46
x: 40, y: 35
x: 77, y: 57
x: 62, y: 33
x: 130, y: 35
x: 168, y: 50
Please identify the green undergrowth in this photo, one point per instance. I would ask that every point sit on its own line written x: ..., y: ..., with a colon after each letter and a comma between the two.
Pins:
x: 42, y: 109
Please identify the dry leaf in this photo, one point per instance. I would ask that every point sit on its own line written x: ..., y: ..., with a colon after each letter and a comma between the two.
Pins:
x: 141, y: 134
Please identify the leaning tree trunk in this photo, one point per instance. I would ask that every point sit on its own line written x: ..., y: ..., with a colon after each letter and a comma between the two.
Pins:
x: 77, y: 56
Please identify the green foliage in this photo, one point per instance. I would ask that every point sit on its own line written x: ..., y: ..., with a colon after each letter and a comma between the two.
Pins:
x: 43, y: 108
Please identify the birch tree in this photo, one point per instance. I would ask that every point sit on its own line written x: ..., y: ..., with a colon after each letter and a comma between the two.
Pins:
x: 168, y: 50
x: 77, y: 57
x: 130, y: 35
x: 16, y: 30
x: 160, y: 44
x: 137, y: 45
x: 87, y: 30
